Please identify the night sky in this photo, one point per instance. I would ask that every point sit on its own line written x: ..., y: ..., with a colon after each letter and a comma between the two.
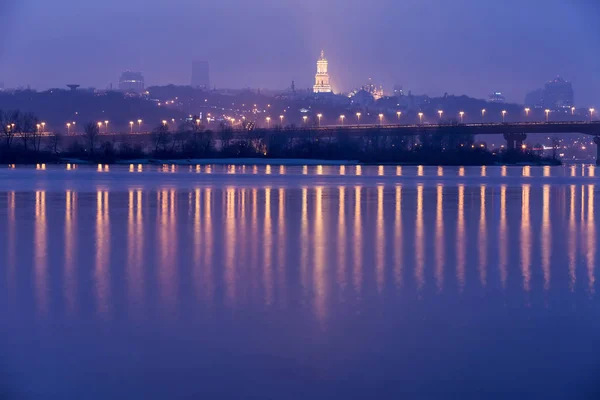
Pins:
x: 429, y: 46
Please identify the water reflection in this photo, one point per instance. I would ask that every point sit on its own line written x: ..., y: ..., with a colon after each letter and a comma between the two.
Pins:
x: 419, y: 241
x: 591, y: 241
x: 358, y: 242
x: 380, y: 241
x: 398, y: 238
x: 546, y: 236
x: 503, y: 245
x: 320, y: 243
x: 440, y: 254
x: 242, y: 246
x: 102, y: 269
x: 41, y: 252
x: 572, y: 239
x: 525, y: 237
x: 483, y: 245
x: 70, y: 249
x: 461, y: 238
x: 341, y: 245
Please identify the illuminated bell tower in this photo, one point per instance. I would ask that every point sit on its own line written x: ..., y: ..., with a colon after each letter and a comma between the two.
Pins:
x: 322, y: 84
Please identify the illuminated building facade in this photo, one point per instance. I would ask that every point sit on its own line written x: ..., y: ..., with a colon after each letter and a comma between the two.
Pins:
x: 131, y: 82
x: 322, y: 84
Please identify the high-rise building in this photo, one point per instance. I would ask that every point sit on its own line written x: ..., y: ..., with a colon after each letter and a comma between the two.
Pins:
x: 558, y: 94
x: 200, y: 74
x: 497, y: 97
x: 535, y: 99
x: 322, y: 84
x: 131, y: 82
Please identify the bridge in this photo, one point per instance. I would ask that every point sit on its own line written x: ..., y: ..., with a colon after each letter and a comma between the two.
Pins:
x: 514, y: 133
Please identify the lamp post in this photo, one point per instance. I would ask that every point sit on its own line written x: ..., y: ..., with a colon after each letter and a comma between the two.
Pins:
x: 68, y: 128
x: 592, y: 114
x: 483, y: 115
x: 319, y: 116
x: 140, y: 125
x: 99, y: 126
x: 342, y: 118
x: 268, y: 122
x: 527, y: 110
x: 130, y: 126
x: 440, y: 112
x: 547, y: 115
x: 421, y: 118
x: 304, y: 119
x: 358, y: 117
x: 106, y: 127
x: 572, y: 110
x: 503, y: 116
x: 398, y: 113
x: 43, y: 127
x: 462, y: 116
x: 281, y: 120
x: 380, y: 119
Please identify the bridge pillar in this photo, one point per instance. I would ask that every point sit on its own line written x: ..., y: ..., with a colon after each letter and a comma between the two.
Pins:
x: 597, y: 141
x: 510, y: 141
x: 520, y: 138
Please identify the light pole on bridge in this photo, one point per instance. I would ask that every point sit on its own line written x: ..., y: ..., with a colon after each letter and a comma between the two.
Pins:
x: 592, y: 111
x: 503, y: 116
x: 358, y: 117
x: 482, y: 115
x: 462, y: 116
x: 547, y: 115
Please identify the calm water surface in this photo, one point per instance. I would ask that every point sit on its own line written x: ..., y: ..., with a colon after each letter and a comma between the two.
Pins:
x: 307, y: 282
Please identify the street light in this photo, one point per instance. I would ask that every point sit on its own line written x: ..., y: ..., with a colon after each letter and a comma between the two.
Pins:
x: 43, y: 126
x: 68, y: 128
x: 462, y: 115
x: 421, y: 117
x: 440, y: 112
x: 572, y: 110
x: 319, y: 116
x: 268, y: 122
x: 380, y: 119
x: 304, y: 119
x: 503, y: 115
x: 130, y: 126
x: 99, y: 126
x: 398, y: 113
x: 527, y: 111
x: 592, y: 114
x: 547, y: 115
x: 140, y: 125
x: 281, y: 119
x: 483, y: 114
x: 164, y: 122
x: 358, y: 117
x: 342, y: 118
x: 106, y: 122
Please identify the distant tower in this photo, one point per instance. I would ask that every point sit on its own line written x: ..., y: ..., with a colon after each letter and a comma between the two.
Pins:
x: 200, y: 75
x: 322, y: 84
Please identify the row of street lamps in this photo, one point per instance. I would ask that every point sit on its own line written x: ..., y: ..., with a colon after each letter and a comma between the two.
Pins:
x: 461, y: 115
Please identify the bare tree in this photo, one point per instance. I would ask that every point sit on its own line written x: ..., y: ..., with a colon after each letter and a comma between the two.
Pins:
x: 91, y: 131
x: 160, y: 137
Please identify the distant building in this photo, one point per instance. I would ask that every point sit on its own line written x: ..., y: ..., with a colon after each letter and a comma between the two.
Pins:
x: 497, y: 97
x: 555, y: 95
x: 200, y: 74
x: 375, y: 92
x: 322, y: 84
x: 131, y: 82
x: 398, y: 90
x: 535, y: 99
x: 558, y: 94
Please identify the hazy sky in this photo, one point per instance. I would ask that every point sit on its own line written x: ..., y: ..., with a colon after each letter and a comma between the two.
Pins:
x: 429, y: 46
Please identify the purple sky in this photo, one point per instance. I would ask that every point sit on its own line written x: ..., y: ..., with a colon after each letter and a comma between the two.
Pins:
x: 429, y: 46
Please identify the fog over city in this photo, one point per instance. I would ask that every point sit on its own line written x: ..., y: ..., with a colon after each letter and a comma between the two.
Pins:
x: 428, y: 46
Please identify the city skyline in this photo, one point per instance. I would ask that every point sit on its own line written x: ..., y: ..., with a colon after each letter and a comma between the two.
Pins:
x: 498, y: 49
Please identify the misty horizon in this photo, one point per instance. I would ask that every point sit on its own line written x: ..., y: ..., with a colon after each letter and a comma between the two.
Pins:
x: 429, y: 47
